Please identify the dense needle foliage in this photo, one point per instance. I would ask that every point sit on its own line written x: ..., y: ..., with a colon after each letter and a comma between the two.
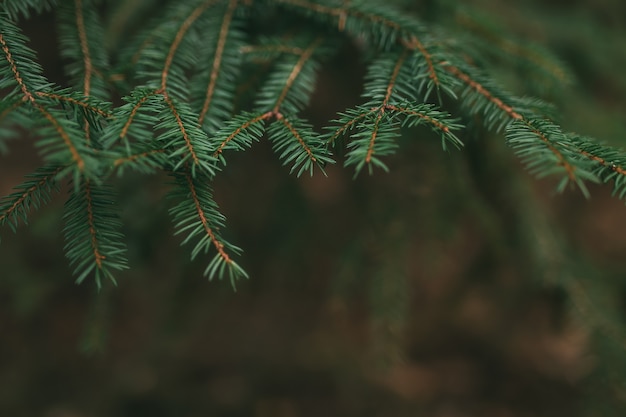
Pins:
x: 184, y: 78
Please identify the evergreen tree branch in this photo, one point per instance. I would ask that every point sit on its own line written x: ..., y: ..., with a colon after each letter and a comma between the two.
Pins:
x: 372, y: 140
x: 98, y: 257
x: 92, y: 113
x: 353, y: 118
x: 394, y: 75
x: 547, y: 150
x: 14, y: 70
x: 62, y: 132
x: 186, y: 25
x: 561, y: 160
x: 284, y: 94
x: 215, y: 74
x: 197, y: 215
x: 414, y: 43
x: 84, y: 46
x: 128, y: 120
x: 182, y: 91
x: 298, y: 137
x: 389, y: 91
x: 481, y: 90
x: 219, y: 246
x: 183, y: 131
x: 291, y: 82
x: 217, y: 60
x: 298, y: 144
x: 429, y: 119
x: 609, y: 163
x: 297, y: 69
x: 31, y: 194
x: 606, y: 164
x: 240, y: 132
x: 85, y: 104
x: 94, y: 244
x: 181, y: 123
x: 81, y: 35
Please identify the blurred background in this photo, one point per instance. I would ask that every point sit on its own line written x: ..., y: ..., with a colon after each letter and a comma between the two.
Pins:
x: 456, y: 285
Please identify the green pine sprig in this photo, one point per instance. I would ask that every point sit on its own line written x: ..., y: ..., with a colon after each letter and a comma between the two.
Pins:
x: 94, y: 243
x: 196, y: 215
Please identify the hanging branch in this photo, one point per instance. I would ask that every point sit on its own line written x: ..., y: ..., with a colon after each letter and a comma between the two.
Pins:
x: 197, y: 215
x: 182, y: 76
x: 30, y: 195
x: 88, y: 218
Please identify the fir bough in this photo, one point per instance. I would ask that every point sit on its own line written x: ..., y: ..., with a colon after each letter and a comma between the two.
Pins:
x: 205, y: 78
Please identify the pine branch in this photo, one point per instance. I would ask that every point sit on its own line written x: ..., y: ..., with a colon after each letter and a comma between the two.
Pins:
x: 19, y: 68
x: 239, y: 133
x: 92, y: 108
x: 134, y: 120
x: 181, y: 82
x: 609, y: 164
x: 30, y: 195
x: 81, y: 35
x: 377, y: 136
x: 482, y: 96
x: 62, y: 142
x: 544, y: 149
x: 426, y: 64
x: 440, y: 122
x: 298, y: 145
x: 197, y: 215
x: 291, y: 84
x: 182, y: 137
x: 165, y: 69
x: 285, y: 93
x: 390, y: 90
x: 94, y: 244
x: 90, y: 112
x: 217, y: 101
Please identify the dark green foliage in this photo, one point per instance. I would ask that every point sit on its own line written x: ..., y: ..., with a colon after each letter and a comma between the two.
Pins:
x: 94, y: 244
x: 20, y: 70
x: 556, y: 156
x: 31, y: 194
x: 87, y: 60
x: 196, y: 215
x: 298, y: 145
x: 201, y: 79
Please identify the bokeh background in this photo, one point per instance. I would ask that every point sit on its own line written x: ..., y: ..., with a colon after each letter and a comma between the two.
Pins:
x: 456, y: 285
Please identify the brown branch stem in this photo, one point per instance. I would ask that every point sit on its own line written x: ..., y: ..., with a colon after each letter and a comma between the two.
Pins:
x: 205, y: 223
